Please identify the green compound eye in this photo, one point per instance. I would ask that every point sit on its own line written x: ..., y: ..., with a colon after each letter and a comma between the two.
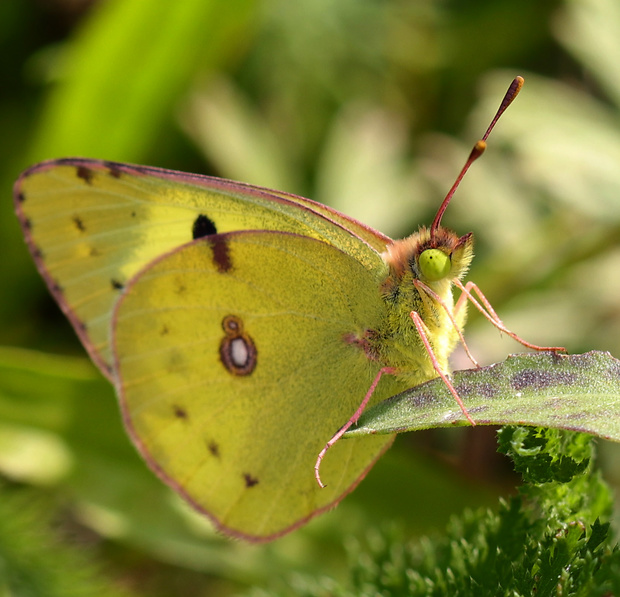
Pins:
x: 434, y: 264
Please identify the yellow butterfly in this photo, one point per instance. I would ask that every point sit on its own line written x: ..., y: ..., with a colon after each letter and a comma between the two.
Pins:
x: 243, y: 327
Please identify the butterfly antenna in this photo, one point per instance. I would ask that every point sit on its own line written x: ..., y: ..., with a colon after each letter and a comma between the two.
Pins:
x: 477, y: 150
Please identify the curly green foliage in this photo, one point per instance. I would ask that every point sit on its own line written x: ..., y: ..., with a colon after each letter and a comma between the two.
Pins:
x: 545, y: 455
x: 550, y: 540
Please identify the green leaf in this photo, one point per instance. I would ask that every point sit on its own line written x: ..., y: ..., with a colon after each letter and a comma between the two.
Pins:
x: 125, y: 70
x: 574, y: 392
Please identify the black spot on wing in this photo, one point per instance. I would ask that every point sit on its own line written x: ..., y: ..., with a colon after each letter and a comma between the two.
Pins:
x: 214, y: 448
x: 79, y: 223
x: 250, y: 481
x: 221, y: 253
x: 86, y: 174
x: 113, y: 169
x: 180, y: 412
x: 20, y: 197
x: 203, y: 226
x: 27, y: 224
x: 116, y: 285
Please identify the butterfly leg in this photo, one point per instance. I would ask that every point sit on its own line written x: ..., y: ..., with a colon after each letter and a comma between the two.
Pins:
x: 487, y: 310
x: 347, y: 425
x: 451, y: 314
x: 419, y: 324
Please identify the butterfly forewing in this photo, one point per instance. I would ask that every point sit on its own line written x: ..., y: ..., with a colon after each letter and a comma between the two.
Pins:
x: 92, y: 225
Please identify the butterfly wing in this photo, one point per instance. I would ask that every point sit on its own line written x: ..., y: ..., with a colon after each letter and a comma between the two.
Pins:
x: 92, y: 225
x: 236, y: 362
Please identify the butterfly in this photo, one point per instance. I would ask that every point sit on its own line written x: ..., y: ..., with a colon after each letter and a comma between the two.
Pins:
x: 244, y: 327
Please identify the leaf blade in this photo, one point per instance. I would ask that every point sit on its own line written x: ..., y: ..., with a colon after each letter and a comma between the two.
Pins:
x: 574, y: 392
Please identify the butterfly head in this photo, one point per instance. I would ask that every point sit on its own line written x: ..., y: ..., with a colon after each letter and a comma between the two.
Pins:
x: 436, y: 256
x: 431, y: 258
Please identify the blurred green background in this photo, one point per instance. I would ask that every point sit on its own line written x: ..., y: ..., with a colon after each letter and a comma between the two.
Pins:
x: 371, y: 107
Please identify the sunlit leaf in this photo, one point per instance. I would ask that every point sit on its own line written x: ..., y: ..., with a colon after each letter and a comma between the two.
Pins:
x: 576, y: 392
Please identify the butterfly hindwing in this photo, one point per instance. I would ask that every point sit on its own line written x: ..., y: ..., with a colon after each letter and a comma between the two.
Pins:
x: 236, y: 361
